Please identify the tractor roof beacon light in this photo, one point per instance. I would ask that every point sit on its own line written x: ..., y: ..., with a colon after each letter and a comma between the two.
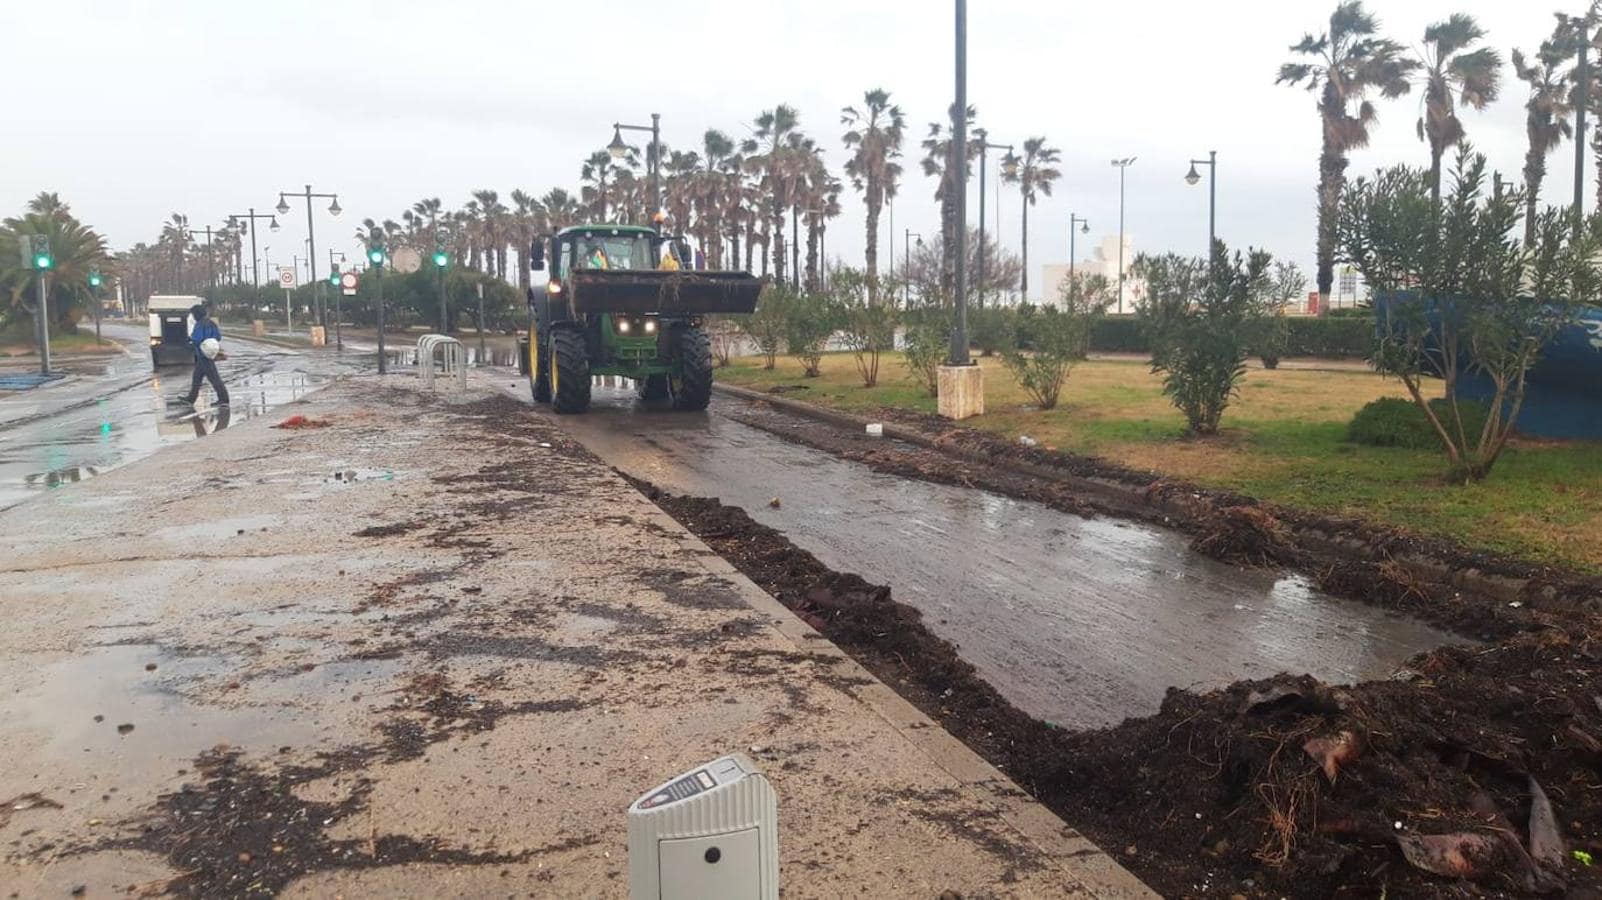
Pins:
x: 710, y: 833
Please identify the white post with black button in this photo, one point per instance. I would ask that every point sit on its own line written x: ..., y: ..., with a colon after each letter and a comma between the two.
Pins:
x: 709, y: 834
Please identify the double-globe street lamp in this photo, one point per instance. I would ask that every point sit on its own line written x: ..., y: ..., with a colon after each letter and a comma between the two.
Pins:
x: 251, y: 217
x: 1009, y: 168
x: 653, y: 158
x: 1191, y: 177
x: 311, y: 235
x: 1122, y: 165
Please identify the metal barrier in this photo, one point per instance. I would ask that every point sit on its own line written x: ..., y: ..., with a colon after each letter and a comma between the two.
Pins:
x: 453, y: 362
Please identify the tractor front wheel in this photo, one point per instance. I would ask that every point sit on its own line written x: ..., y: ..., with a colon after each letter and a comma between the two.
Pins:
x: 692, y: 388
x: 569, y: 369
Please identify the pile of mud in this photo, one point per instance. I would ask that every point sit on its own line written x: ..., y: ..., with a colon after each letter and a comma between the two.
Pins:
x: 1473, y: 772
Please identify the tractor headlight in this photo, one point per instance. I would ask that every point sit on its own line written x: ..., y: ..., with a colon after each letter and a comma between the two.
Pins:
x: 650, y: 326
x: 553, y: 288
x: 622, y: 326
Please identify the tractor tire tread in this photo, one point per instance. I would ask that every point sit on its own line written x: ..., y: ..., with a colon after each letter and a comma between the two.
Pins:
x: 571, y: 359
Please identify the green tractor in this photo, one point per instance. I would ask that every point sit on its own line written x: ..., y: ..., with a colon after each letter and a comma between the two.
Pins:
x: 624, y: 300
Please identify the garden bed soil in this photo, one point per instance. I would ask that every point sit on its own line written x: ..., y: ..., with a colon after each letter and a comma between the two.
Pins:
x: 1485, y: 762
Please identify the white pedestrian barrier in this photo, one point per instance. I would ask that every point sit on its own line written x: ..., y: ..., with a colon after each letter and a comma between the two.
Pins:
x: 452, y: 360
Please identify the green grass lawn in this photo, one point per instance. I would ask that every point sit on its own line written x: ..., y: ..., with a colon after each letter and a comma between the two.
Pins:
x: 1283, y: 440
x: 14, y: 343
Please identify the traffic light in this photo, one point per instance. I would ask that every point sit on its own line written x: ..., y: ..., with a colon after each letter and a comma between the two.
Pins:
x: 94, y: 278
x: 333, y: 274
x: 441, y: 258
x: 41, y: 252
x: 375, y: 254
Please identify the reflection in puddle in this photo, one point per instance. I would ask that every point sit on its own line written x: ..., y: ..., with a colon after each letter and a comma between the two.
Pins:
x: 126, y: 421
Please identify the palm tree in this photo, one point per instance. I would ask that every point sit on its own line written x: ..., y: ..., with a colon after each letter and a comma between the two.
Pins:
x: 769, y: 146
x: 527, y: 221
x: 74, y: 247
x: 561, y: 209
x: 1546, y: 120
x: 1349, y: 61
x: 936, y: 164
x: 1453, y: 76
x: 1034, y: 175
x: 875, y: 141
x: 596, y: 174
x: 174, y: 240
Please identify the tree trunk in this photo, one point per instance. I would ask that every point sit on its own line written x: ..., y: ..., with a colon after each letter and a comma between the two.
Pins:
x: 776, y: 239
x: 1534, y: 174
x: 1023, y: 279
x: 813, y: 283
x: 1331, y: 178
x: 875, y: 203
x: 1435, y: 173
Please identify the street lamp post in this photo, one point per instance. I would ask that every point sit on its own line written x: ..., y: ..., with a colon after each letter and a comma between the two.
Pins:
x: 311, y: 236
x: 1122, y: 165
x: 251, y: 217
x: 653, y: 156
x: 906, y: 263
x: 959, y: 158
x: 1191, y: 177
x: 1009, y: 167
x: 1073, y: 220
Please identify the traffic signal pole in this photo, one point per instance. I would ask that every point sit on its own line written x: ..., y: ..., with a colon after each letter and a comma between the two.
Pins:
x: 43, y: 316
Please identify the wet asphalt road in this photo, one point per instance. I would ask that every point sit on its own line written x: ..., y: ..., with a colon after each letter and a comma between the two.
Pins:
x: 114, y: 409
x: 1082, y: 622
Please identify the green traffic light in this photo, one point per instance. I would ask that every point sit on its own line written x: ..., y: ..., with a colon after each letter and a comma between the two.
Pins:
x: 94, y: 279
x: 440, y: 259
x: 42, y: 262
x: 376, y: 255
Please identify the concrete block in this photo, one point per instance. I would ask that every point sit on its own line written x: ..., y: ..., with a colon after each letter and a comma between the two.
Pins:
x: 258, y: 328
x: 962, y: 391
x: 319, y: 336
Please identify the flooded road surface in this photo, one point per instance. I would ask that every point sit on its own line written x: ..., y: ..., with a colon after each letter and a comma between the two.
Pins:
x: 1081, y: 622
x: 114, y: 410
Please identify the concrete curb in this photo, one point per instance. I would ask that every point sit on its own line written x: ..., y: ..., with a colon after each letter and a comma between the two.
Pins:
x: 1186, y: 507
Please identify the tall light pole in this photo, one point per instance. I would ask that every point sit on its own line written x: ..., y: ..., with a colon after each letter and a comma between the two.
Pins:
x: 959, y: 159
x: 1582, y: 83
x: 1009, y: 167
x: 251, y: 217
x: 311, y: 236
x: 375, y: 257
x: 653, y: 156
x: 1073, y: 220
x: 906, y: 262
x: 1191, y: 177
x: 1122, y: 165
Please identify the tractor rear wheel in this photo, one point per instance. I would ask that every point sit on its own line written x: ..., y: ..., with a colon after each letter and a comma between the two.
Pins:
x: 540, y: 379
x: 692, y: 389
x: 569, y: 369
x: 654, y: 387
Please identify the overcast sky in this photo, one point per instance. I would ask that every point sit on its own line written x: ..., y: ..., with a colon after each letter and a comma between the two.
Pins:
x: 135, y: 109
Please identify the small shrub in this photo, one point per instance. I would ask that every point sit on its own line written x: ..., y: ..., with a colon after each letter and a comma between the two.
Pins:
x: 928, y: 344
x: 765, y: 326
x: 868, y: 326
x: 991, y: 329
x: 1395, y: 422
x: 809, y: 322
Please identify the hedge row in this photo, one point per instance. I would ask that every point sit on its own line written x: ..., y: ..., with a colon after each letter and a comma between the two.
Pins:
x: 1331, y: 338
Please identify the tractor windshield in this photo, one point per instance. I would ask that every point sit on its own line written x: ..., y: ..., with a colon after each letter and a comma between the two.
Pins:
x: 628, y: 251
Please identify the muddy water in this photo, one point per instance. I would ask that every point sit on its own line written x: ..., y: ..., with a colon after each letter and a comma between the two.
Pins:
x: 116, y: 411
x: 1082, y: 622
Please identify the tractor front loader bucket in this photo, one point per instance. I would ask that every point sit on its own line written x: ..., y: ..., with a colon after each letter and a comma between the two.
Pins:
x: 669, y: 293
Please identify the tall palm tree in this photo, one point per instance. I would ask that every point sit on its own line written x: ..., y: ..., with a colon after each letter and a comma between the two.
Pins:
x: 1034, y: 175
x: 1348, y: 61
x: 1546, y: 120
x: 596, y: 175
x: 767, y: 153
x: 710, y: 195
x: 174, y: 239
x: 874, y: 137
x: 74, y: 247
x: 561, y: 209
x: 937, y: 164
x: 1454, y: 76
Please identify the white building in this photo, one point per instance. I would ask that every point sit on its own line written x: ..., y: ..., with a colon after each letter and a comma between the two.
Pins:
x: 1104, y: 262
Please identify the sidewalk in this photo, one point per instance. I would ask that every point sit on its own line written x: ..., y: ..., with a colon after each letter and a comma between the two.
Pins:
x: 434, y: 649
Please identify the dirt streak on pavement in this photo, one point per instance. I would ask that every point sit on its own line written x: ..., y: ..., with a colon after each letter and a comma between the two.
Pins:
x: 434, y: 649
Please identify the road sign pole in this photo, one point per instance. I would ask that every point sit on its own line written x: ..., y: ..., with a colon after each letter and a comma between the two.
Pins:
x: 289, y: 316
x: 481, y: 323
x: 44, y: 326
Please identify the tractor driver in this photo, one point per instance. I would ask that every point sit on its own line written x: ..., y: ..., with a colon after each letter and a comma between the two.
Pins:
x: 597, y: 258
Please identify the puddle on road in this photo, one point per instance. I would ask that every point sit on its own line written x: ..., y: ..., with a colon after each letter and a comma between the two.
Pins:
x: 127, y: 423
x: 1082, y: 622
